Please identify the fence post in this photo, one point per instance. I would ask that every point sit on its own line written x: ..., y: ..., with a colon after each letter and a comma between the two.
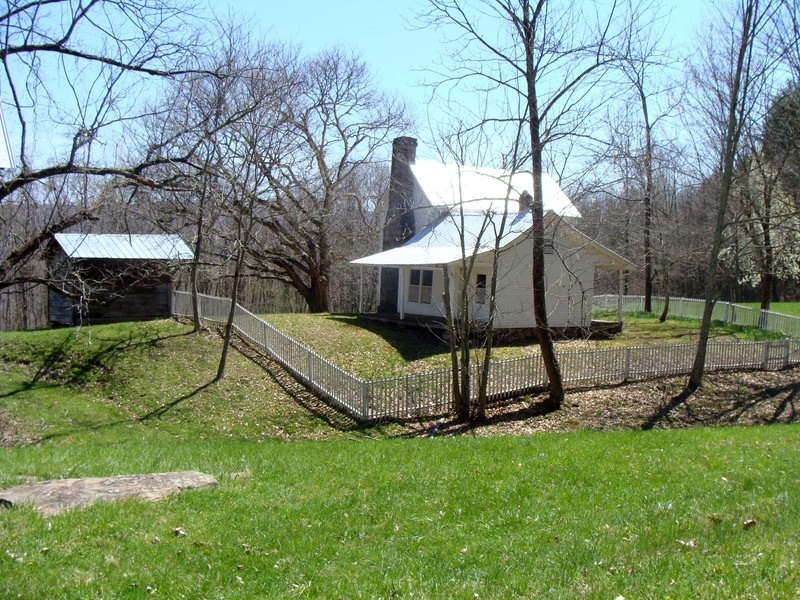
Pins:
x: 786, y: 347
x: 627, y: 363
x: 310, y: 368
x: 727, y: 309
x: 365, y: 400
x: 765, y: 358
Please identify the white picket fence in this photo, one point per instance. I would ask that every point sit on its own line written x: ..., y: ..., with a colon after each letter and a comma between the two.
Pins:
x: 692, y: 308
x: 430, y: 393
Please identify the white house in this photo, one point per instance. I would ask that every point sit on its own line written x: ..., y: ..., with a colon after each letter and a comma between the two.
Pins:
x: 434, y: 214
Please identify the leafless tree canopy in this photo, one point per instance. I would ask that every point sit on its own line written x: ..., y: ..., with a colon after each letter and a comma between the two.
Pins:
x: 75, y: 74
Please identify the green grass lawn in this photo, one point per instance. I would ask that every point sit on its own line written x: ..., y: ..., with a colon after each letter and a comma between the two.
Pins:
x: 308, y: 509
x: 787, y: 308
x: 641, y: 515
x: 372, y: 351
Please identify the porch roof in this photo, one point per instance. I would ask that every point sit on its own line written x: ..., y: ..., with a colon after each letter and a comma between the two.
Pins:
x: 440, y: 242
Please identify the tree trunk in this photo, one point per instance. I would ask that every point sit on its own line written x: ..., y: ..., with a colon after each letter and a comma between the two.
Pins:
x: 665, y: 310
x: 665, y: 283
x: 648, y: 211
x: 460, y: 407
x: 767, y: 276
x: 198, y: 249
x: 196, y: 317
x: 555, y: 384
x: 318, y: 298
x: 464, y: 338
x: 489, y: 341
x: 731, y: 144
x: 223, y: 359
x: 767, y: 285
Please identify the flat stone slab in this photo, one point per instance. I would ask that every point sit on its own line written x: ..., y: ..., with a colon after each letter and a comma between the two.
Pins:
x: 59, y: 495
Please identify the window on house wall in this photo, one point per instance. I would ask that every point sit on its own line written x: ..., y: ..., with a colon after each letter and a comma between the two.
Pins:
x: 420, y: 287
x: 480, y: 288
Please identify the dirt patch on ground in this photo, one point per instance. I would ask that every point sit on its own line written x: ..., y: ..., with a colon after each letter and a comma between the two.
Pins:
x: 743, y: 398
x: 14, y: 433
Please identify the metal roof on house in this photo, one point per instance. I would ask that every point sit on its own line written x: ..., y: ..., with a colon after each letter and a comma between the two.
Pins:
x: 478, y: 189
x: 439, y: 243
x: 123, y: 246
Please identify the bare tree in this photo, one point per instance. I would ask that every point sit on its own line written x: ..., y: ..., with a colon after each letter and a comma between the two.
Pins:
x: 729, y: 81
x: 204, y: 118
x: 480, y: 244
x: 331, y: 125
x: 547, y: 55
x: 645, y: 66
x: 765, y: 228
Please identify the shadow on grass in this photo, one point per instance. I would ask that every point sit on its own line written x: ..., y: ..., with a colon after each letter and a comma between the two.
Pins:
x: 448, y: 424
x: 753, y: 404
x: 785, y: 409
x: 53, y: 358
x: 721, y: 402
x: 165, y: 408
x: 663, y: 412
x: 412, y: 343
x: 60, y: 366
x: 787, y: 404
x: 296, y: 390
x: 156, y: 413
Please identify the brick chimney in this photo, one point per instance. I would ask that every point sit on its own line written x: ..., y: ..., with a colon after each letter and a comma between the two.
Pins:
x: 399, y: 225
x: 525, y: 202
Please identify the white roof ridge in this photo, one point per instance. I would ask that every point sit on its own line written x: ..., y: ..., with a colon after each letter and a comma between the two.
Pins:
x: 450, y: 184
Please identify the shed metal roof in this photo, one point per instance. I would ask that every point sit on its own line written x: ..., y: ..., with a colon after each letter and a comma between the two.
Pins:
x: 123, y: 246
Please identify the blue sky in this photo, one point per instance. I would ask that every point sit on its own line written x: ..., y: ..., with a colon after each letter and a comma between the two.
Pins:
x: 381, y: 31
x: 387, y: 35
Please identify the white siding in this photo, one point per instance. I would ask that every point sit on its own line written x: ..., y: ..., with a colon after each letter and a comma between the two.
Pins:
x: 569, y: 280
x: 514, y: 288
x: 436, y: 307
x: 569, y: 274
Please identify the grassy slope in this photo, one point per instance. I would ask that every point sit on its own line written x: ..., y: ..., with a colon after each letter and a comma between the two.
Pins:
x: 115, y: 382
x: 638, y: 514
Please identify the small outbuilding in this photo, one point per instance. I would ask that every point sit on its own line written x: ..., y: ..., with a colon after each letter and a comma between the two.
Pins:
x: 108, y: 278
